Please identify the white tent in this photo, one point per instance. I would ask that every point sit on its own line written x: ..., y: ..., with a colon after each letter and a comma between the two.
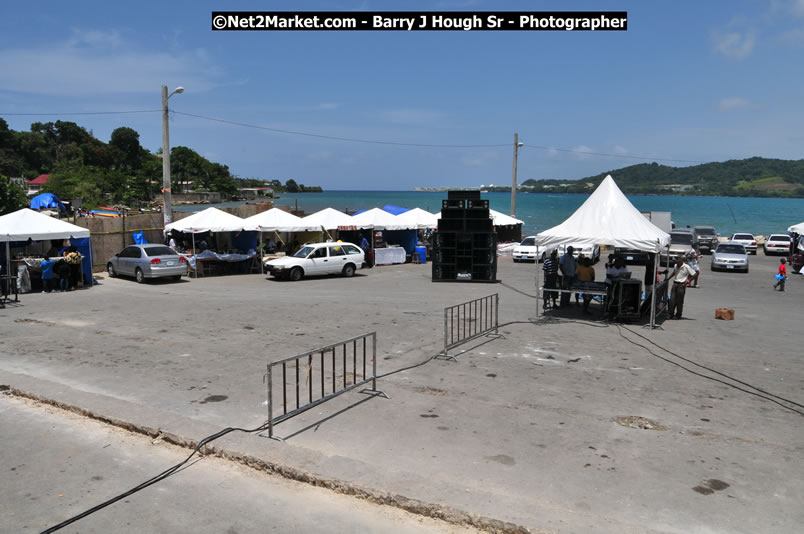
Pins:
x: 27, y: 224
x: 381, y: 220
x: 606, y: 218
x: 277, y: 220
x: 797, y: 228
x: 419, y: 218
x: 330, y: 219
x: 501, y: 219
x: 209, y: 220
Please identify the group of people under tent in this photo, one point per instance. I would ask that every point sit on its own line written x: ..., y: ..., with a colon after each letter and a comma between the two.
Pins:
x: 578, y: 273
x: 61, y: 269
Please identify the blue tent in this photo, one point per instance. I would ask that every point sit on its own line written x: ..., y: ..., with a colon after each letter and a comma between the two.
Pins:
x: 46, y: 200
x: 395, y: 210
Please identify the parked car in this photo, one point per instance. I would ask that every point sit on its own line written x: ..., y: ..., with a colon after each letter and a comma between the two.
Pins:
x: 527, y: 250
x: 590, y: 251
x: 730, y: 256
x: 746, y: 240
x: 632, y: 256
x: 317, y: 259
x: 682, y: 243
x: 147, y: 261
x: 707, y: 238
x: 777, y: 244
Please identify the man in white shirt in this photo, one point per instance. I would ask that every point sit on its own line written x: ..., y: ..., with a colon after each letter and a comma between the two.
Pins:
x: 681, y: 274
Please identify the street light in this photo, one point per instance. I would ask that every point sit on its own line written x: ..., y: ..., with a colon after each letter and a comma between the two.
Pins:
x: 167, y: 208
x: 517, y: 146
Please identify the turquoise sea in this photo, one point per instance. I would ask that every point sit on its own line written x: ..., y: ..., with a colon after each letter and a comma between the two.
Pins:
x: 541, y: 211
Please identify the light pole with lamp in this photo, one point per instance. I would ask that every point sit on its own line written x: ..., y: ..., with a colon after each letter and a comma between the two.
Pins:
x: 167, y: 208
x: 517, y: 146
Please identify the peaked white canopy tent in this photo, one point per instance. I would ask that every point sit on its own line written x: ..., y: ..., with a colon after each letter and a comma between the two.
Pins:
x: 276, y: 220
x: 419, y: 219
x: 27, y: 224
x: 330, y: 219
x: 607, y: 218
x: 797, y: 228
x: 380, y: 219
x: 209, y: 220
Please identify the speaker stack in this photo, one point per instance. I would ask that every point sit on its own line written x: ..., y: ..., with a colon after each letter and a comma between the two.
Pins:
x: 465, y: 245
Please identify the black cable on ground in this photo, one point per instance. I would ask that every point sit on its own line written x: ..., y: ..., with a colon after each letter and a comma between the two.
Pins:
x: 696, y: 373
x: 161, y: 476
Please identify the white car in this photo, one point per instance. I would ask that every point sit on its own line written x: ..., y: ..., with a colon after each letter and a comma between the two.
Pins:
x: 318, y: 259
x: 528, y: 250
x: 777, y: 244
x: 590, y: 251
x: 730, y: 256
x: 746, y: 240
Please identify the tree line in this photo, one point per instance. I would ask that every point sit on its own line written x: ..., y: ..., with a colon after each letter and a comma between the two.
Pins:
x: 120, y: 171
x: 762, y: 177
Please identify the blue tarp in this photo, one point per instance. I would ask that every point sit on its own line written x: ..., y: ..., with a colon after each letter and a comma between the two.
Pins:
x: 83, y: 245
x: 395, y: 210
x: 46, y: 200
x: 139, y: 238
x: 404, y: 238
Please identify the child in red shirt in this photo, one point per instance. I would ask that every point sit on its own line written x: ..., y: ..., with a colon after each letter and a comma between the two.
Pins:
x: 781, y: 275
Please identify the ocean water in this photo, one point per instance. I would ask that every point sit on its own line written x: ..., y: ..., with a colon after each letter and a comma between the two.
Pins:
x: 542, y: 211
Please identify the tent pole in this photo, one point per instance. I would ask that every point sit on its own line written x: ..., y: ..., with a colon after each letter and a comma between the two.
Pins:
x: 195, y: 254
x: 8, y: 255
x: 261, y: 271
x: 91, y: 265
x: 653, y: 289
x: 538, y: 296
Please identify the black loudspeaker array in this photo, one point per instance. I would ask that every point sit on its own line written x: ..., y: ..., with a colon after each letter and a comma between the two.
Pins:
x: 465, y: 245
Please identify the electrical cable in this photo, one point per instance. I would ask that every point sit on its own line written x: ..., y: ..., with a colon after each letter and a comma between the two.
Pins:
x: 335, y: 138
x: 161, y: 476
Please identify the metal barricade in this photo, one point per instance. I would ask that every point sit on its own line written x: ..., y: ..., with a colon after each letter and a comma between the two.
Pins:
x: 319, y: 375
x: 469, y: 320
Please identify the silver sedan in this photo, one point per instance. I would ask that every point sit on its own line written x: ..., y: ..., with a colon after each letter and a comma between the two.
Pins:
x: 730, y: 256
x: 147, y: 261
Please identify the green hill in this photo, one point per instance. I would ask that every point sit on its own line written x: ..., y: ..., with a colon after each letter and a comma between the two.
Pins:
x: 760, y: 177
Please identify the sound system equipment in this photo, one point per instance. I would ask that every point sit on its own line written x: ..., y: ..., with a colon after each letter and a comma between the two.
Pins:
x: 465, y: 245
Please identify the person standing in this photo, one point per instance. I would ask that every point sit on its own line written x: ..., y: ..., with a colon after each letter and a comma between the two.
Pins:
x: 586, y: 274
x: 567, y: 266
x: 550, y: 269
x: 694, y: 262
x: 48, y: 276
x: 781, y: 275
x: 681, y: 274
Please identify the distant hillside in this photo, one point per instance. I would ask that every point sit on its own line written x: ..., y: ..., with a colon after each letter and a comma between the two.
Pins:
x: 753, y: 177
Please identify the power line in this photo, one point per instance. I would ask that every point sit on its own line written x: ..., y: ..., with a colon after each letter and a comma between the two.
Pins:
x: 81, y: 113
x: 335, y: 138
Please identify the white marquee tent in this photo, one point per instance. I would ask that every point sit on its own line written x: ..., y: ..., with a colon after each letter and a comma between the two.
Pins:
x: 606, y: 218
x: 381, y: 220
x: 419, y: 219
x: 797, y: 228
x: 277, y: 220
x: 209, y: 220
x: 331, y: 219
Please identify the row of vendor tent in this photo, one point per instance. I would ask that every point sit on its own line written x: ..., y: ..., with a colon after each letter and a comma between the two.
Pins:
x: 277, y: 220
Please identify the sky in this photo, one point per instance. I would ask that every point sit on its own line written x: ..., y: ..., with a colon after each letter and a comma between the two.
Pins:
x: 688, y: 82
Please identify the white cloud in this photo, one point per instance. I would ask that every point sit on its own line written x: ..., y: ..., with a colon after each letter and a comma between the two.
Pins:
x: 618, y: 149
x: 793, y: 37
x: 798, y: 7
x: 93, y: 62
x: 732, y: 103
x: 329, y: 105
x: 734, y: 45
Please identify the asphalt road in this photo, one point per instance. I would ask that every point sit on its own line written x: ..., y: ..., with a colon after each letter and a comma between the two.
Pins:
x: 566, y: 425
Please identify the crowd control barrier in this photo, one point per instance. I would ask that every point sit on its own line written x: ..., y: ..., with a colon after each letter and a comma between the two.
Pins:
x: 316, y: 376
x: 469, y: 320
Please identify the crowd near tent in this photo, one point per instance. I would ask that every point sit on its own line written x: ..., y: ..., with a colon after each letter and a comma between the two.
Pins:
x: 607, y: 218
x: 25, y: 226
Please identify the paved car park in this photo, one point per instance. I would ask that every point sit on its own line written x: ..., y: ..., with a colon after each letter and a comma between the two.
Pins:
x: 560, y: 424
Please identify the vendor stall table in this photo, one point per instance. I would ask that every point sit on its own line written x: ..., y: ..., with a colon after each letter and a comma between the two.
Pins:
x: 389, y: 255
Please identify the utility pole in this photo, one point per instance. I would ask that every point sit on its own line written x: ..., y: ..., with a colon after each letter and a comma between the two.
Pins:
x: 517, y: 144
x: 167, y: 206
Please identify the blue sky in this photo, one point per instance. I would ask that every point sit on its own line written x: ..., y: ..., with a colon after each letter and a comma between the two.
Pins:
x: 694, y: 81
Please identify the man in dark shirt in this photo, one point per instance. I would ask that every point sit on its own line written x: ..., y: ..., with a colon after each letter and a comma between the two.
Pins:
x: 567, y: 266
x: 550, y: 269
